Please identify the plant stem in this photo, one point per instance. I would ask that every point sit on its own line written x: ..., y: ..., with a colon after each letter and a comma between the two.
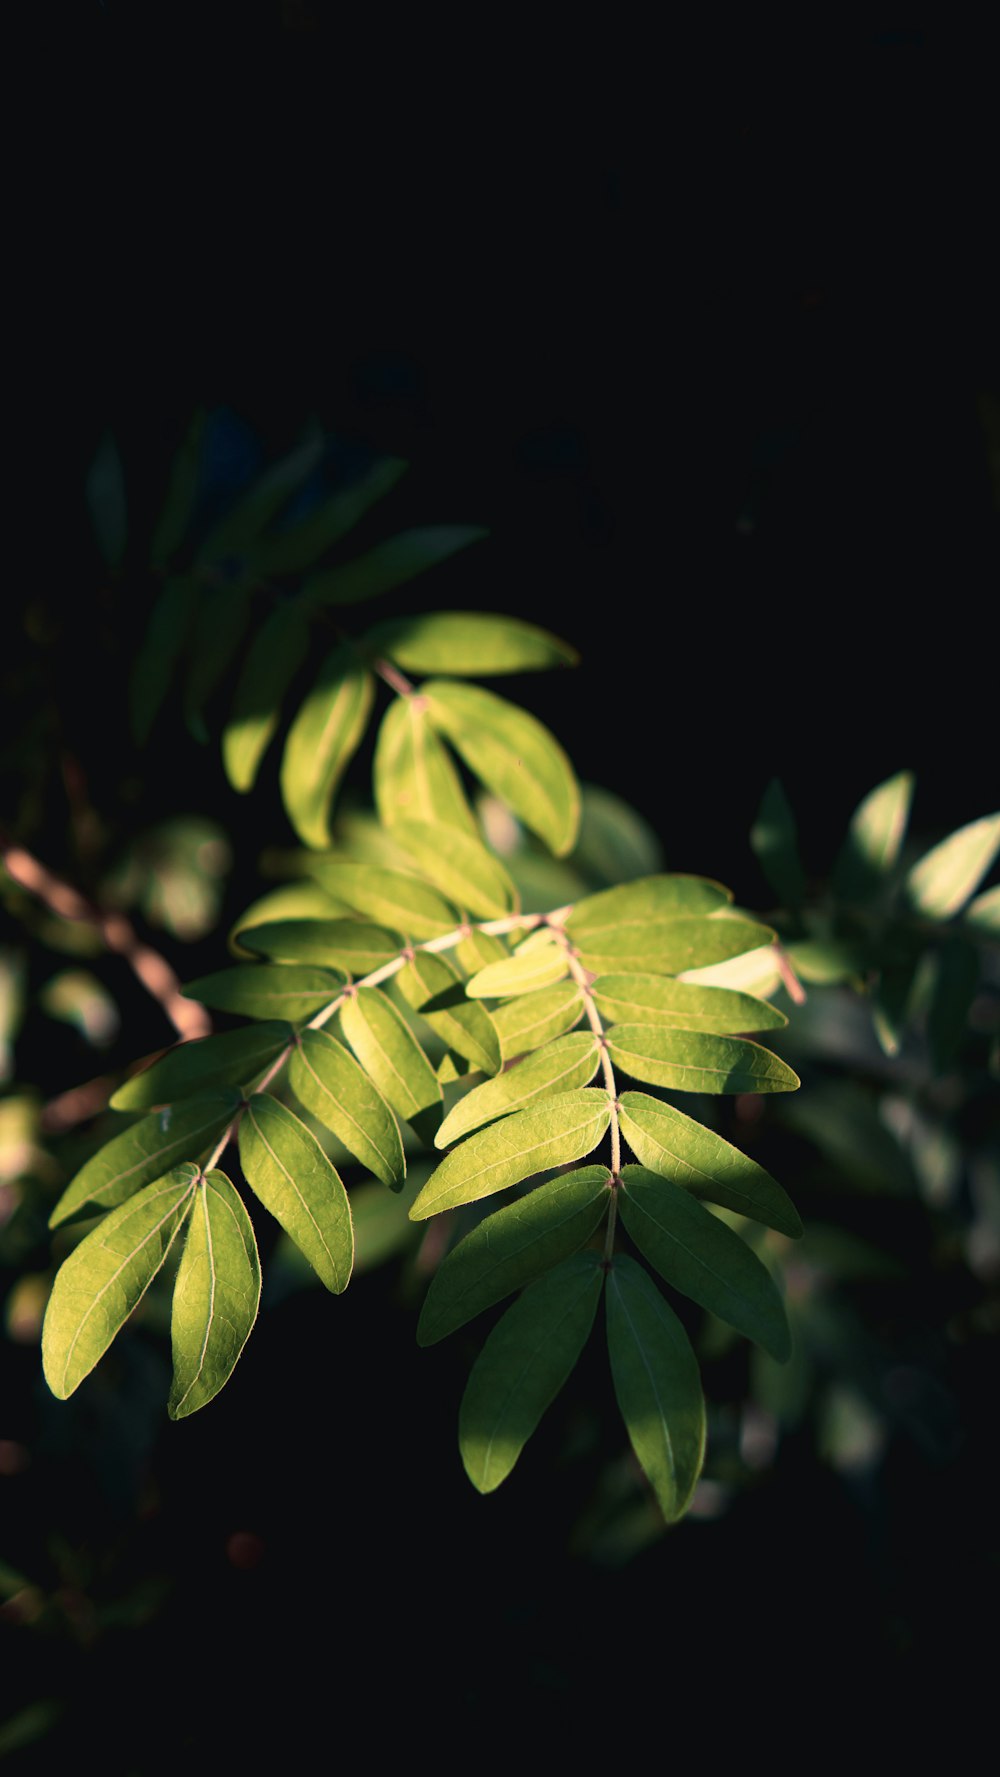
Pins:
x: 391, y: 676
x: 582, y: 979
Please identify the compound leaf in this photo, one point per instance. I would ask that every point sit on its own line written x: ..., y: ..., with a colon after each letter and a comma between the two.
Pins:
x: 325, y: 1077
x: 563, y: 1128
x: 690, y: 1061
x: 388, y: 1050
x: 681, y: 1005
x: 678, y: 1148
x: 236, y: 1057
x: 657, y: 1386
x: 146, y: 1151
x: 569, y: 1062
x: 460, y: 867
x: 321, y: 742
x: 216, y: 1295
x: 526, y: 1023
x: 288, y: 1170
x: 435, y: 989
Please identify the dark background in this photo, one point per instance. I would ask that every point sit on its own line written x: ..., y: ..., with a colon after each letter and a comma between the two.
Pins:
x: 703, y: 331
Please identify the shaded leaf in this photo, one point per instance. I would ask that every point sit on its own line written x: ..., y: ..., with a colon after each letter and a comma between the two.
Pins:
x: 104, y: 1278
x: 106, y: 504
x: 389, y: 897
x: 702, y: 1258
x: 955, y: 982
x: 873, y: 840
x: 237, y: 1057
x: 657, y: 1386
x: 525, y: 1024
x: 267, y: 990
x: 272, y: 660
x: 528, y: 973
x: 614, y: 844
x: 342, y: 944
x: 435, y: 989
x: 325, y: 1078
x: 941, y: 883
x: 288, y: 1170
x: 774, y: 838
x: 676, y: 1147
x: 460, y: 867
x: 826, y: 961
x: 413, y: 775
x: 559, y: 1067
x: 389, y: 564
x: 512, y: 1247
x: 470, y: 643
x: 523, y: 1365
x: 681, y: 1005
x: 689, y: 1061
x: 321, y: 742
x: 667, y: 946
x: 156, y: 663
x: 514, y: 755
x: 241, y: 526
x: 222, y: 615
x: 216, y: 1295
x: 178, y: 508
x: 301, y: 544
x: 388, y: 1050
x: 564, y: 1128
x: 147, y: 1150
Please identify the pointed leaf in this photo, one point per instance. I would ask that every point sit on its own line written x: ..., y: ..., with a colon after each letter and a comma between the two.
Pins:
x: 983, y: 914
x: 272, y: 661
x: 162, y: 646
x: 460, y: 867
x: 238, y: 1057
x: 389, y: 897
x: 525, y: 1024
x: 657, y: 1386
x: 414, y: 776
x: 667, y: 946
x: 435, y: 989
x: 146, y: 1151
x: 389, y: 564
x: 634, y: 904
x: 288, y: 1170
x: 561, y: 1066
x: 221, y: 620
x: 321, y: 742
x: 469, y: 644
x: 528, y: 973
x: 564, y: 1128
x: 873, y: 840
x: 775, y: 840
x: 676, y: 1147
x: 300, y: 545
x: 512, y: 1247
x: 689, y: 1061
x: 945, y: 878
x: 702, y: 1258
x: 681, y: 1005
x: 325, y: 1078
x: 387, y: 1050
x: 523, y: 1365
x: 216, y: 1295
x: 342, y: 944
x: 514, y: 755
x: 267, y: 990
x: 106, y: 1276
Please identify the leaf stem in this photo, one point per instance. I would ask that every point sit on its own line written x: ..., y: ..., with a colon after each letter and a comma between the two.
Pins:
x: 583, y: 980
x: 391, y: 676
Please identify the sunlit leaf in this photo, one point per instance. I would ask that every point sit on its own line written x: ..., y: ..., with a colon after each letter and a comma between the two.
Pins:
x: 667, y: 946
x: 513, y: 1246
x: 675, y: 1146
x: 301, y: 544
x: 156, y: 663
x: 634, y: 904
x: 476, y: 951
x: 874, y: 839
x: 342, y: 944
x: 104, y: 1278
x: 288, y: 1170
x: 983, y: 914
x: 435, y: 989
x: 216, y: 1295
x: 237, y: 1057
x: 657, y: 1385
x: 520, y: 974
x: 525, y: 1024
x: 267, y: 990
x: 564, y: 1128
x: 941, y: 883
x: 614, y: 844
x: 222, y: 617
x: 293, y: 900
x: 755, y: 972
x: 387, y: 1050
x: 690, y: 1061
x: 389, y: 897
x: 413, y: 775
x: 389, y: 564
x: 321, y: 742
x: 523, y: 1365
x: 681, y: 1005
x: 325, y: 1077
x: 514, y: 755
x: 469, y: 643
x: 774, y: 839
x: 559, y: 1067
x: 459, y: 866
x: 273, y: 658
x: 147, y: 1150
x: 702, y: 1258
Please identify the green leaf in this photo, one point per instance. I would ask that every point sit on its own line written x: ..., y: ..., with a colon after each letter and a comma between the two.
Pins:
x: 955, y: 982
x: 527, y: 1023
x: 983, y: 914
x: 460, y: 867
x: 288, y: 1170
x: 178, y: 508
x: 237, y: 1057
x: 775, y: 840
x: 523, y: 1365
x: 221, y: 620
x: 434, y: 989
x: 681, y: 1005
x: 293, y: 900
x: 826, y: 961
x: 325, y: 1078
x: 244, y: 522
x: 634, y: 904
x: 702, y: 1258
x: 563, y: 1128
x: 328, y: 943
x: 520, y: 974
x: 104, y: 1278
x: 321, y: 742
x: 676, y: 1147
x: 476, y: 951
x: 388, y: 1050
x: 153, y: 671
x: 514, y: 755
x: 615, y: 844
x: 941, y: 883
x: 389, y: 897
x: 267, y: 990
x: 145, y: 1151
x: 272, y: 660
x: 469, y: 643
x: 414, y: 776
x: 300, y: 545
x: 689, y: 1061
x: 512, y: 1247
x: 668, y: 946
x: 572, y: 1061
x: 873, y: 840
x: 657, y: 1386
x: 389, y: 564
x: 216, y: 1295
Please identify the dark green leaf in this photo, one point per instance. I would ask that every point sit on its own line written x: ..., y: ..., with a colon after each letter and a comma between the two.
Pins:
x: 389, y: 564
x: 145, y: 1151
x: 689, y: 1061
x: 559, y: 1067
x: 945, y: 878
x: 321, y: 742
x: 389, y: 897
x: 536, y: 1018
x: 657, y: 1386
x: 774, y: 839
x: 523, y: 1365
x: 244, y: 522
x: 288, y: 1170
x: 414, y: 776
x: 826, y: 961
x: 460, y: 867
x: 955, y: 983
x: 325, y: 1078
x: 162, y: 646
x: 216, y: 1295
x: 469, y: 643
x: 238, y: 1058
x: 681, y: 1005
x: 873, y: 840
x: 388, y: 1050
x: 328, y: 943
x: 435, y: 989
x: 300, y: 545
x: 267, y: 990
x: 272, y: 660
x: 222, y: 616
x: 514, y: 755
x: 178, y: 508
x: 562, y: 1129
x: 680, y: 1149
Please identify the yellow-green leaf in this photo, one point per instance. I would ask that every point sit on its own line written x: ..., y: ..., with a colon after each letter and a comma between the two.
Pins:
x: 564, y: 1128
x: 321, y: 742
x: 268, y: 990
x: 514, y: 755
x: 689, y: 1061
x: 388, y: 1050
x: 146, y: 1151
x: 470, y: 644
x: 667, y: 946
x: 343, y: 944
x: 287, y: 1169
x: 681, y: 1005
x: 325, y: 1078
x: 528, y: 1022
x: 273, y: 658
x: 528, y: 973
x: 435, y: 989
x: 460, y: 867
x: 657, y: 1386
x: 941, y: 883
x: 216, y: 1295
x: 675, y: 1146
x: 559, y: 1067
x: 389, y: 897
x: 873, y: 840
x: 237, y: 1057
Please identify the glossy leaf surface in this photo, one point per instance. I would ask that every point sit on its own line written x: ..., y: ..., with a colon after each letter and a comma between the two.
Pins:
x: 216, y: 1295
x: 287, y: 1169
x: 564, y: 1128
x: 657, y: 1385
x: 675, y: 1146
